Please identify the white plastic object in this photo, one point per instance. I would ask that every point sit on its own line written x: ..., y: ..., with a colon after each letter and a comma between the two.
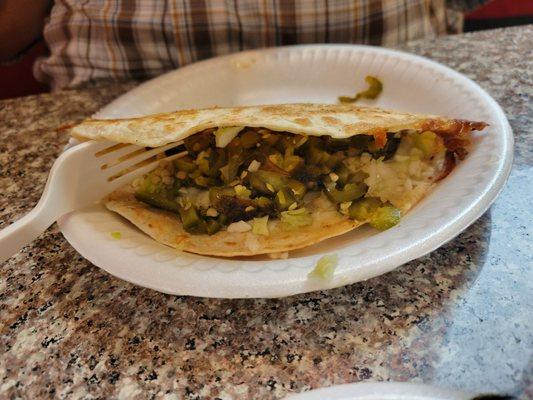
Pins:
x: 78, y: 178
x: 314, y: 73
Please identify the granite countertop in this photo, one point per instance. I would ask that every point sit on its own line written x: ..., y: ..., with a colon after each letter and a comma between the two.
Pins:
x: 459, y: 317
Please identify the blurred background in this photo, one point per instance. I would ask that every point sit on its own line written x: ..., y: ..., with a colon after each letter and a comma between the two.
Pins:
x: 16, y: 77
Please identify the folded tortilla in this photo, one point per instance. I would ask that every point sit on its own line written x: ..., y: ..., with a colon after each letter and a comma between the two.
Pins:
x: 166, y: 228
x: 340, y: 121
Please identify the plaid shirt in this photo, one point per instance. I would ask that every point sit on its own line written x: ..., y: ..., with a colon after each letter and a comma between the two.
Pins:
x: 104, y: 39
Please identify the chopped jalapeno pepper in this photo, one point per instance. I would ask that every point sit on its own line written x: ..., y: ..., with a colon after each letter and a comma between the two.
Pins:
x: 260, y: 173
x: 375, y: 87
x: 196, y: 143
x: 249, y: 139
x: 212, y: 226
x: 159, y: 200
x: 272, y: 180
x: 298, y: 188
x: 191, y: 221
x: 385, y: 217
x: 284, y: 199
x: 350, y: 192
x: 363, y: 209
x: 216, y: 193
x: 185, y: 164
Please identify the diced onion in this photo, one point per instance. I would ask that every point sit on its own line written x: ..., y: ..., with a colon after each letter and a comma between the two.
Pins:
x: 254, y: 166
x: 202, y: 199
x: 239, y: 227
x: 225, y: 135
x: 252, y: 243
x: 242, y: 191
x: 260, y: 226
x: 345, y: 206
x: 401, y: 179
x: 294, y: 219
x: 211, y: 212
x: 325, y: 267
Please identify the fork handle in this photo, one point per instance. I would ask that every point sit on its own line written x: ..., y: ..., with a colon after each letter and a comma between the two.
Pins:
x: 23, y: 231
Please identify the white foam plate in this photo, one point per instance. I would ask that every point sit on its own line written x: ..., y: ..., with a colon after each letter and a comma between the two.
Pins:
x: 381, y: 391
x: 317, y: 73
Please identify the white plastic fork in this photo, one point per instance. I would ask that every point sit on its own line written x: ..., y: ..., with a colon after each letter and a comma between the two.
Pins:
x: 80, y: 177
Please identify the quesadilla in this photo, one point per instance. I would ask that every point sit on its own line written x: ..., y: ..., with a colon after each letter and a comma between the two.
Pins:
x: 274, y: 178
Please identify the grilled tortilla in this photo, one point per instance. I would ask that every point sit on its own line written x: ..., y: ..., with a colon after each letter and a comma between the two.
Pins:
x: 269, y: 179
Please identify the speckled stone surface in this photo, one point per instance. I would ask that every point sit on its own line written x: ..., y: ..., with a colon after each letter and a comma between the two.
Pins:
x: 459, y: 317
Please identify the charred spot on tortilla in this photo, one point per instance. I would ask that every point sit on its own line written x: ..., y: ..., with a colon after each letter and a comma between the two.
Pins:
x: 331, y: 120
x: 250, y: 182
x: 303, y: 121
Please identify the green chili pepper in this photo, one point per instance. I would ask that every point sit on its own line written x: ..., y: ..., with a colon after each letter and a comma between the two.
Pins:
x: 375, y: 87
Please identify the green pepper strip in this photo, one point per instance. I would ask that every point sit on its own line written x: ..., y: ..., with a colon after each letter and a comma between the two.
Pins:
x: 375, y: 87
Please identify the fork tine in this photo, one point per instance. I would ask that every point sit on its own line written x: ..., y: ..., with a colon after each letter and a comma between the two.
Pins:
x: 124, y: 176
x: 114, y: 147
x: 122, y: 155
x: 137, y: 158
x: 115, y: 153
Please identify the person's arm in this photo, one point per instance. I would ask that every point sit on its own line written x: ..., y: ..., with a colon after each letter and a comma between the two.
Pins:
x: 466, y: 5
x: 21, y: 24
